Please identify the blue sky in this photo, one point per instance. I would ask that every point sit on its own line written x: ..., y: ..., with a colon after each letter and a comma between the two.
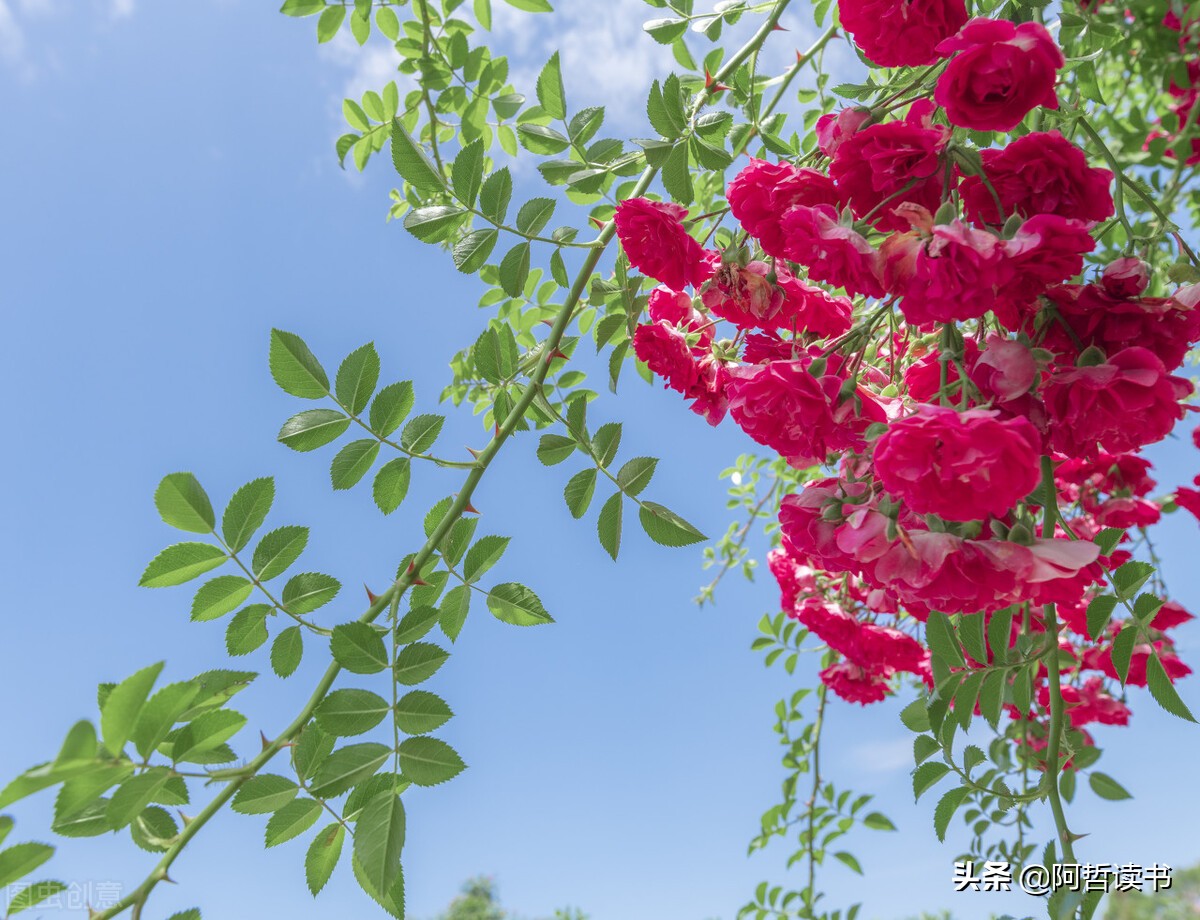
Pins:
x: 170, y: 194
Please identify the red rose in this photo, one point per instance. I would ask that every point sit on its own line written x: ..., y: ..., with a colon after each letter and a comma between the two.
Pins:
x: 664, y: 349
x: 894, y: 162
x: 1121, y: 405
x: 746, y: 298
x: 961, y: 466
x: 802, y: 417
x: 760, y: 194
x: 1001, y: 72
x: 833, y: 129
x: 952, y: 276
x: 1040, y: 173
x: 901, y: 33
x: 813, y: 237
x: 653, y: 236
x: 856, y: 684
x: 1046, y: 250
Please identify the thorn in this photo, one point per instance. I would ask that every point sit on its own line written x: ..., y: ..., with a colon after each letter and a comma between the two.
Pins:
x: 712, y: 85
x: 471, y: 508
x: 186, y: 819
x: 547, y: 322
x: 416, y: 580
x: 799, y: 57
x: 599, y: 225
x: 170, y: 881
x: 557, y: 354
x: 496, y: 429
x: 372, y: 597
x: 473, y: 452
x: 266, y: 742
x: 779, y: 28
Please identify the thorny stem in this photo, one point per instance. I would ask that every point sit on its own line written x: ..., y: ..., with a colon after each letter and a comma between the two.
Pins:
x: 743, y: 534
x: 818, y: 723
x: 137, y: 898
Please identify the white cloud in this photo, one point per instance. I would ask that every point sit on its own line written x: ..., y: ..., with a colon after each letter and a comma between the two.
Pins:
x: 119, y: 9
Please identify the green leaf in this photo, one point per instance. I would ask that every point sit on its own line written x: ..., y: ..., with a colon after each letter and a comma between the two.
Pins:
x: 412, y: 164
x: 534, y: 215
x: 219, y: 596
x: 1122, y: 651
x: 357, y: 378
x: 388, y: 23
x: 6, y: 826
x: 1130, y: 577
x: 428, y: 761
x: 247, y: 630
x: 351, y: 712
x: 915, y: 716
x: 391, y: 407
x: 514, y: 270
x: 286, y: 651
x: 120, y: 711
x: 926, y: 775
x: 1107, y: 788
x: 466, y: 173
x: 578, y: 492
x: 416, y: 624
x: 1163, y: 690
x: 554, y: 449
x: 495, y: 195
x: 1146, y: 606
x: 849, y: 860
x: 18, y: 861
x: 878, y: 822
x: 516, y: 604
x: 606, y: 442
x: 391, y: 484
x: 453, y: 612
x: 421, y: 433
x: 1108, y: 539
x: 531, y: 6
x: 352, y: 463
x: 636, y: 474
x: 379, y: 838
x: 946, y: 807
x: 939, y: 633
x: 33, y: 895
x: 665, y: 31
x: 160, y: 714
x: 311, y: 750
x: 608, y: 525
x: 1099, y: 612
x: 183, y: 503
x: 309, y: 591
x: 358, y: 648
x: 313, y: 428
x: 264, y: 794
x: 292, y: 820
x: 301, y: 7
x: 134, y: 795
x: 327, y: 26
x: 540, y: 140
x: 434, y: 224
x: 483, y: 555
x: 473, y: 250
x: 550, y: 90
x: 391, y: 900
x: 295, y: 368
x: 665, y: 527
x: 418, y: 662
x: 181, y: 563
x: 205, y: 733
x: 277, y: 551
x: 360, y: 27
x: 677, y: 173
x: 347, y: 767
x: 419, y: 712
x: 326, y: 848
x: 246, y: 512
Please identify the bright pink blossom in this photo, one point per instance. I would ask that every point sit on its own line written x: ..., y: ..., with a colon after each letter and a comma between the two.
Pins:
x: 1040, y: 173
x: 653, y: 237
x: 816, y: 239
x: 1000, y: 73
x: 901, y: 33
x: 961, y: 466
x: 762, y: 192
x: 1125, y: 403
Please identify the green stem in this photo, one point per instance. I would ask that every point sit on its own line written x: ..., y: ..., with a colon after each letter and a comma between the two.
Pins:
x: 1057, y: 706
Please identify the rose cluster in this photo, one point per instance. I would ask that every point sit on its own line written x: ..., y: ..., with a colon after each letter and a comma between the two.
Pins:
x: 916, y: 318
